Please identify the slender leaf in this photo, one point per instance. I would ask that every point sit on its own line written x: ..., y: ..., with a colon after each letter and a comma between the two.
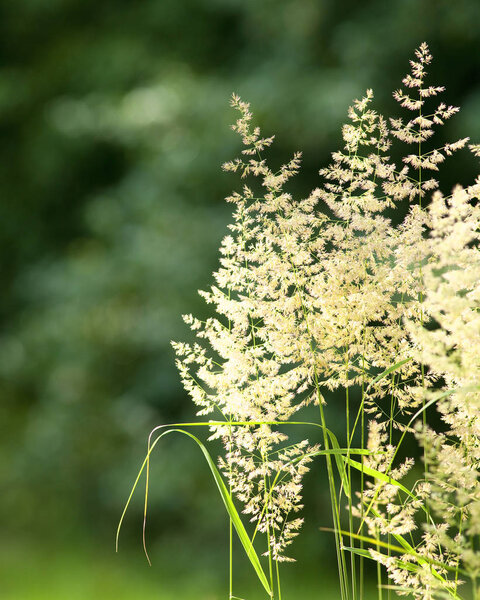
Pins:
x: 224, y: 493
x: 336, y: 451
x: 391, y: 369
x: 377, y: 475
x: 405, y: 548
x: 333, y: 439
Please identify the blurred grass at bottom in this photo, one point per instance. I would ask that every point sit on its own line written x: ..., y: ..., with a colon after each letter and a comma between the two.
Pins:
x: 30, y: 570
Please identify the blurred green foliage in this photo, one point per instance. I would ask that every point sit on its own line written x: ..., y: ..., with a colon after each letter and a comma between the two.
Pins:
x: 82, y: 572
x: 114, y: 119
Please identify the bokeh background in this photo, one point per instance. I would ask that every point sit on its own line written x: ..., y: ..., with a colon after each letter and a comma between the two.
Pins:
x: 114, y: 121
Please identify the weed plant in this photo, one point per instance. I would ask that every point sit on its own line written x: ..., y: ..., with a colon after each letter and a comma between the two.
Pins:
x: 326, y: 293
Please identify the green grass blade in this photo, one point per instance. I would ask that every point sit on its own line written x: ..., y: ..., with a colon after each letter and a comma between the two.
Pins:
x: 336, y: 451
x: 338, y: 456
x: 229, y: 505
x: 359, y: 551
x: 391, y: 369
x: 438, y: 594
x: 333, y: 439
x: 377, y: 475
x: 404, y: 548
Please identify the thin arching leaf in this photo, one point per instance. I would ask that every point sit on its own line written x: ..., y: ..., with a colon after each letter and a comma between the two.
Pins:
x: 224, y: 493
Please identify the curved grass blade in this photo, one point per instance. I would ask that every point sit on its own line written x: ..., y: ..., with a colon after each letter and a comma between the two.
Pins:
x: 246, y: 542
x: 230, y: 507
x: 333, y: 439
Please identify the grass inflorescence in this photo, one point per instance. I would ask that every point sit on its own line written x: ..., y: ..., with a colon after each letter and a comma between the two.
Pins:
x: 326, y: 293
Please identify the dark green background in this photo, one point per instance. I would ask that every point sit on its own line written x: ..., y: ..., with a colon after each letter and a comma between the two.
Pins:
x: 114, y: 122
